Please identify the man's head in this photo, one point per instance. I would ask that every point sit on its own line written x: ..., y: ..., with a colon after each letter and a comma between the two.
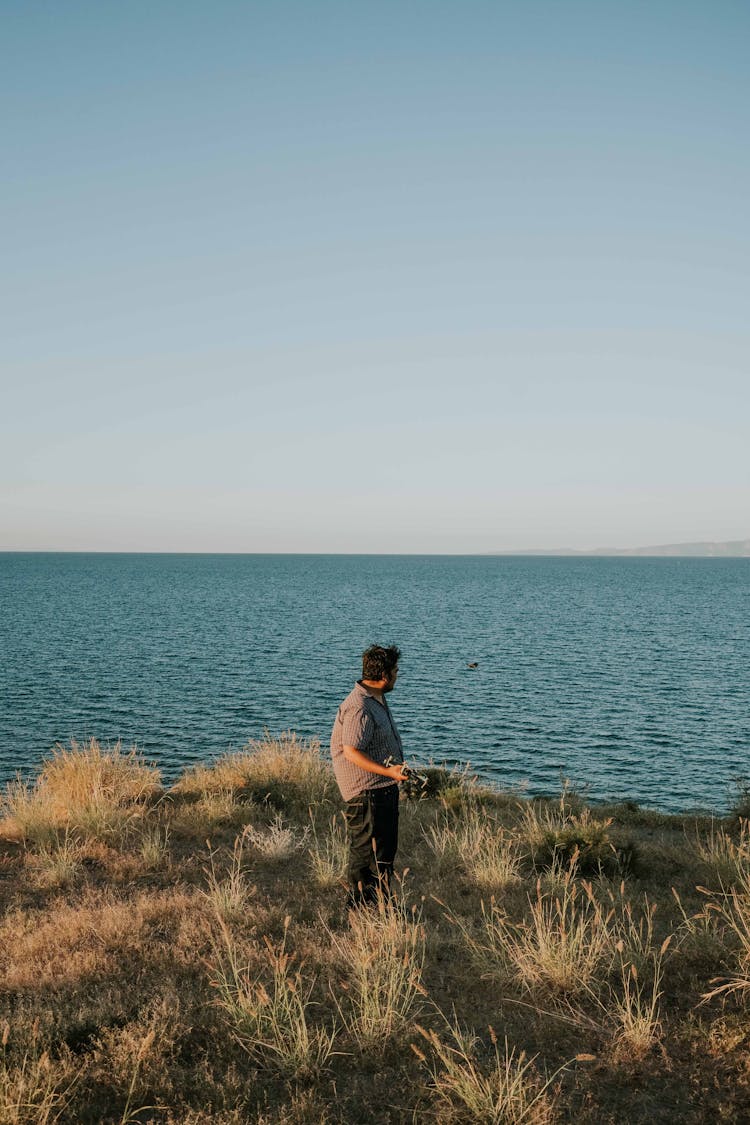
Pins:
x: 380, y: 666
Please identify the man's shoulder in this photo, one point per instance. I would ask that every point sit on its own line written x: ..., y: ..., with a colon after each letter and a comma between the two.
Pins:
x: 357, y: 699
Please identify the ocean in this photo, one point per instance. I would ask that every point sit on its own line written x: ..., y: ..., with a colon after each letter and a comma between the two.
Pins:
x: 626, y: 677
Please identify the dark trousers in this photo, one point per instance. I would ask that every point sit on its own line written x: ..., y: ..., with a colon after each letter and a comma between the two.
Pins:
x: 372, y: 831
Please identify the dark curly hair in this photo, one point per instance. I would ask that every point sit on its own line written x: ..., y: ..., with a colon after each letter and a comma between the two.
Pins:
x: 378, y: 662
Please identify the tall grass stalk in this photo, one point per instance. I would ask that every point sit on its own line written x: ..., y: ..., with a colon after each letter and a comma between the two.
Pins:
x: 559, y: 875
x: 328, y: 854
x: 129, y: 1114
x: 630, y: 1004
x: 478, y: 844
x: 220, y: 805
x: 700, y: 934
x: 229, y: 894
x: 57, y: 863
x: 636, y: 943
x: 636, y: 1008
x: 732, y: 909
x: 384, y: 952
x: 728, y: 859
x: 269, y: 1011
x: 538, y: 824
x: 506, y: 1090
x: 565, y: 942
x: 153, y: 845
x: 33, y: 1090
x: 27, y: 814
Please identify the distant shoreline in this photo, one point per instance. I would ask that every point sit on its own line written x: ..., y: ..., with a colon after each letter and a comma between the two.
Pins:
x: 731, y: 549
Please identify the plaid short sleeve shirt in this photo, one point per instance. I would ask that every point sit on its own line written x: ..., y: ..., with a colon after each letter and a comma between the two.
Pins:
x: 366, y: 724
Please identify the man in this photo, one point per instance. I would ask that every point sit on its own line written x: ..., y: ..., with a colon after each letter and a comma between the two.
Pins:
x: 363, y: 740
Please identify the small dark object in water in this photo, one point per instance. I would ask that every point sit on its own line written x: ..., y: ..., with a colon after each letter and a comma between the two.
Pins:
x: 474, y: 665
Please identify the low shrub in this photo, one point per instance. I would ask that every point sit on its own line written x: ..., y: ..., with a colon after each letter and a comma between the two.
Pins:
x: 276, y: 841
x: 740, y: 807
x: 556, y: 835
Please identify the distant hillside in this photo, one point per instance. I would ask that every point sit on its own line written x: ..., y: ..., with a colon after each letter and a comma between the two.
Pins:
x: 737, y: 548
x: 733, y: 549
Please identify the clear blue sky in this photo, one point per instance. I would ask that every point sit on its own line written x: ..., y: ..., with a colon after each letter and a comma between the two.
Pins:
x: 357, y: 276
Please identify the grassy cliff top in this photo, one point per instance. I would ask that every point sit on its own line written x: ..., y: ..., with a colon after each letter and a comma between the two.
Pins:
x: 183, y: 955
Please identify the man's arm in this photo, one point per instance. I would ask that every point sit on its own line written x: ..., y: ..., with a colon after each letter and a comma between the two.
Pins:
x: 357, y: 758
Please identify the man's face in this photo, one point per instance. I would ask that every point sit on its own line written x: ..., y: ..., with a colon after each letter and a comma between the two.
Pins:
x: 390, y: 683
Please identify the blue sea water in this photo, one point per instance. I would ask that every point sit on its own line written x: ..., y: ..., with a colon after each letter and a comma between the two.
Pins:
x: 628, y: 676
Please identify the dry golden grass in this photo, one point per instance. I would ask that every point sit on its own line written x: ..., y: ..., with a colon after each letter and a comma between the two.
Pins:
x: 34, y: 1088
x: 328, y: 853
x: 732, y: 914
x: 56, y: 863
x: 562, y: 943
x: 229, y: 894
x: 153, y: 845
x: 268, y: 1008
x: 502, y: 1089
x: 725, y: 854
x: 86, y: 790
x: 635, y: 1010
x: 477, y: 845
x: 281, y: 771
x: 383, y: 955
x: 141, y: 970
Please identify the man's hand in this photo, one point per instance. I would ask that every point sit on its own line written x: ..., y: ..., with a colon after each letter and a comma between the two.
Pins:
x: 416, y: 782
x: 399, y: 772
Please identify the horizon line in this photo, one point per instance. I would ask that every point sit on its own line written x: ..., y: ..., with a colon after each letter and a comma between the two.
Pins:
x: 549, y: 552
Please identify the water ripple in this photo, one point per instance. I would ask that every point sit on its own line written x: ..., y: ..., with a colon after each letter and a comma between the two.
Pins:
x: 628, y: 675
